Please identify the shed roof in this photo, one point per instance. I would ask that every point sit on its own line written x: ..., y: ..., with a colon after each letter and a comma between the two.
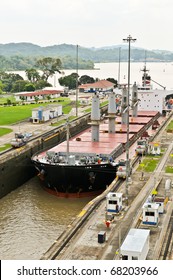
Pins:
x: 98, y: 84
x: 135, y: 240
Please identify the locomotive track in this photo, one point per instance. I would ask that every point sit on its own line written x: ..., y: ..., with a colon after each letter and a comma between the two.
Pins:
x: 80, y: 239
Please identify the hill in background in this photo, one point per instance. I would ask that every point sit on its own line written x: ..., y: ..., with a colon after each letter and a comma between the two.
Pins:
x: 20, y: 56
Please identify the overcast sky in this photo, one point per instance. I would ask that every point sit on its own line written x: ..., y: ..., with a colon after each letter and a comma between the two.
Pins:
x: 88, y: 23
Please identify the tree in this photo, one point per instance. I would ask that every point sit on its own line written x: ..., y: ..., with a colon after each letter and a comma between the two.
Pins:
x: 1, y: 87
x: 112, y: 80
x: 29, y: 87
x: 8, y: 79
x: 49, y: 66
x: 32, y: 75
x: 36, y: 98
x: 69, y: 81
x: 85, y: 79
x: 19, y: 86
x: 41, y: 84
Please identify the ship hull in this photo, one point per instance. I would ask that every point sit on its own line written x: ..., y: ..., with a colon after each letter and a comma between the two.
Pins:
x: 76, y: 181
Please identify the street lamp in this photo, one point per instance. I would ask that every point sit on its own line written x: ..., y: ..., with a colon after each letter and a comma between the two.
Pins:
x: 77, y: 81
x: 129, y: 39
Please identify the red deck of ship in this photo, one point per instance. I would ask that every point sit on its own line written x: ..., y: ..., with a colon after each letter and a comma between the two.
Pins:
x: 135, y: 120
x: 108, y: 142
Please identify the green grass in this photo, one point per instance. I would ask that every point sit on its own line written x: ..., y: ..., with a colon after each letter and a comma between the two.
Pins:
x: 148, y: 164
x: 104, y: 103
x: 4, y: 130
x: 170, y: 126
x: 63, y: 121
x: 169, y: 169
x: 4, y: 99
x: 5, y: 147
x: 88, y: 110
x: 13, y: 114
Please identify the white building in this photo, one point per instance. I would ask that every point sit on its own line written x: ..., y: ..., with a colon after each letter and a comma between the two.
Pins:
x: 135, y: 245
x: 43, y: 114
x: 40, y: 95
x: 114, y: 202
x: 150, y: 214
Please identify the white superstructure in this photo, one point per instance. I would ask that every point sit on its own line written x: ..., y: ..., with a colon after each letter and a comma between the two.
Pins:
x: 151, y: 99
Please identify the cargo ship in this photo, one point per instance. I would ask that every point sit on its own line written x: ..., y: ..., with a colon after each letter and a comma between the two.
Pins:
x: 83, y: 165
x: 87, y: 163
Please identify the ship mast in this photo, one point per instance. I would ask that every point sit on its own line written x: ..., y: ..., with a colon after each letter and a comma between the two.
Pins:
x: 67, y: 138
x: 77, y: 66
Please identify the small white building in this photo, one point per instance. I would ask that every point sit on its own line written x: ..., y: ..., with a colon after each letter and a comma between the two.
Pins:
x: 43, y: 114
x: 150, y: 214
x: 114, y: 202
x: 135, y: 245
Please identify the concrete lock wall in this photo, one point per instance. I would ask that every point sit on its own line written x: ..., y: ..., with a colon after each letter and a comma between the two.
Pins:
x: 16, y: 169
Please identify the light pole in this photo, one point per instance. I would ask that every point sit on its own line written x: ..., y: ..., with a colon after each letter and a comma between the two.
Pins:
x: 129, y: 39
x: 77, y: 81
x: 119, y: 67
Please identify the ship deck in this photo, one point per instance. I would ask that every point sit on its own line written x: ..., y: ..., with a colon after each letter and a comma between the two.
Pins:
x: 108, y: 142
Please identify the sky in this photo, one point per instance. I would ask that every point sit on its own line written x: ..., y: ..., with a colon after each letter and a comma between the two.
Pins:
x: 88, y: 23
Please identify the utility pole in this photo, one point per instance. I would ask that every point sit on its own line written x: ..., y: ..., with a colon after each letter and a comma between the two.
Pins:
x: 119, y: 67
x: 77, y: 81
x: 129, y: 39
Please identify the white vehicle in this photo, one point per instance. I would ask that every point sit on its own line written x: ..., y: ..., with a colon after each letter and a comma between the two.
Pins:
x: 20, y: 139
x: 142, y: 147
x: 121, y: 172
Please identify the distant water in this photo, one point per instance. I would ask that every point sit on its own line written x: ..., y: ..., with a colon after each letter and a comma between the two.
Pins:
x: 160, y: 72
x: 31, y: 219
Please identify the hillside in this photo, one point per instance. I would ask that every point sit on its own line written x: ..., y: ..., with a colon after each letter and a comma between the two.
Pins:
x: 20, y: 56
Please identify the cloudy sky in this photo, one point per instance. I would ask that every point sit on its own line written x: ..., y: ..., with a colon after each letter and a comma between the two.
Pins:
x: 88, y: 23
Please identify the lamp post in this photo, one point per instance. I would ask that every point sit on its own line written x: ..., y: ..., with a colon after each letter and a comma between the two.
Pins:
x: 77, y: 81
x: 129, y: 39
x: 119, y: 67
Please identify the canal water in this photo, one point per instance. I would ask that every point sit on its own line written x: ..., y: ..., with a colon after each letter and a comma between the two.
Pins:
x: 31, y: 220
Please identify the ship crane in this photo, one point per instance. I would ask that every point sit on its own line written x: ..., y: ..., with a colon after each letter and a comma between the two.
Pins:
x: 146, y: 78
x: 158, y: 84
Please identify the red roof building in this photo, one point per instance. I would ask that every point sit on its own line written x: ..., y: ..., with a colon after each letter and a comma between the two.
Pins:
x: 40, y: 94
x: 101, y: 86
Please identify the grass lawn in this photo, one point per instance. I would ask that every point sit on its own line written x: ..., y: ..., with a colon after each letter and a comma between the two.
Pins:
x: 5, y: 147
x: 4, y: 131
x: 4, y: 99
x: 170, y: 126
x: 148, y: 164
x: 63, y: 121
x: 13, y: 114
x: 169, y: 169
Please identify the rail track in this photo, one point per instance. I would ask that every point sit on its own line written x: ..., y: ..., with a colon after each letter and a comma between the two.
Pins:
x: 67, y: 246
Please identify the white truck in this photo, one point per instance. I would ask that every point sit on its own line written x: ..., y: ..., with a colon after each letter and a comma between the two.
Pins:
x: 20, y: 139
x: 142, y: 147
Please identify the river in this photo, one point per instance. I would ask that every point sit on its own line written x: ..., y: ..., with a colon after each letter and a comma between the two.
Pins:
x: 160, y: 72
x: 32, y: 219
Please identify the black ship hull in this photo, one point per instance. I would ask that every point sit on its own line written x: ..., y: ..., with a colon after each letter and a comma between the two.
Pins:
x: 76, y: 181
